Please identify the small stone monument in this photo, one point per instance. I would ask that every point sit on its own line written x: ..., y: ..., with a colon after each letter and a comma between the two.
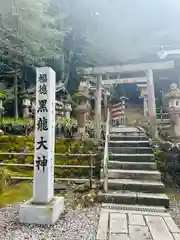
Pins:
x: 43, y: 208
x: 173, y: 97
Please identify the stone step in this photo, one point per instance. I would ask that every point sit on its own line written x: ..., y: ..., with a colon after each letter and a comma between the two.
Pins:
x: 130, y: 150
x: 136, y: 144
x: 117, y: 137
x: 132, y: 165
x: 147, y: 186
x: 133, y: 174
x: 127, y: 197
x: 131, y: 157
x: 125, y: 129
x: 138, y: 208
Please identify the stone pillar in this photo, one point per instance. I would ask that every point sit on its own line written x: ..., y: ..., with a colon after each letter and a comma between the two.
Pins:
x: 68, y: 110
x: 105, y: 104
x: 81, y: 112
x: 123, y: 106
x: 151, y: 94
x: 151, y: 101
x: 144, y: 95
x: 105, y: 100
x: 145, y: 100
x: 175, y: 119
x: 26, y: 104
x: 44, y: 208
x: 98, y: 107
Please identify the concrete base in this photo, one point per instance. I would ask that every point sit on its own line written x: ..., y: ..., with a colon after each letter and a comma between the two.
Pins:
x: 32, y: 213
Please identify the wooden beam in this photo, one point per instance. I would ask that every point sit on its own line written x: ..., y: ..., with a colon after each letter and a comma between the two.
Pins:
x: 129, y: 68
x: 124, y: 80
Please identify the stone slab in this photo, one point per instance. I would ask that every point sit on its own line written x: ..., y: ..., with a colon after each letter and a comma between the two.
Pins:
x: 139, y: 233
x: 137, y: 212
x: 46, y: 214
x: 137, y: 220
x: 136, y: 225
x: 103, y: 226
x: 158, y: 228
x: 171, y: 225
x: 118, y: 223
x: 119, y: 237
x: 176, y: 236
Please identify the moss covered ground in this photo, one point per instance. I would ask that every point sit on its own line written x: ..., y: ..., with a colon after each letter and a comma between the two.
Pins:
x: 22, y: 191
x: 16, y: 194
x: 26, y: 144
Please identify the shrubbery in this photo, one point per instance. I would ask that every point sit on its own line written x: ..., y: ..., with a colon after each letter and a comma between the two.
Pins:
x: 26, y: 144
x: 66, y: 127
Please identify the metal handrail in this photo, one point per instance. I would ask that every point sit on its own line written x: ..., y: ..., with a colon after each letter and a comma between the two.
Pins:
x: 106, y: 154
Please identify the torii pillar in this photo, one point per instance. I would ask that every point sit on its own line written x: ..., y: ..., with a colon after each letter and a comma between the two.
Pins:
x: 151, y: 101
x: 105, y: 100
x: 144, y: 95
x: 98, y: 107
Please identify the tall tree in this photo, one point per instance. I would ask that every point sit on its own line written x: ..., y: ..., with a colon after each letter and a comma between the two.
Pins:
x: 29, y: 32
x: 29, y: 35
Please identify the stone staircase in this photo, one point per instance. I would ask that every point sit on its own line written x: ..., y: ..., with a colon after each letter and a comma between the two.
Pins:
x: 133, y: 177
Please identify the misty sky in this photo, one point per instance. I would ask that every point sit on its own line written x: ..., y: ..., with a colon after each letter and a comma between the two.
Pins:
x: 128, y: 29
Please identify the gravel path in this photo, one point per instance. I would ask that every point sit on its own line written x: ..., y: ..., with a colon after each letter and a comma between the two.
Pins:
x: 73, y: 225
x: 175, y: 210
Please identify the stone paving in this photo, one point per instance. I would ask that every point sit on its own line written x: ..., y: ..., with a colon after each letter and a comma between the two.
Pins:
x: 136, y: 225
x: 133, y: 221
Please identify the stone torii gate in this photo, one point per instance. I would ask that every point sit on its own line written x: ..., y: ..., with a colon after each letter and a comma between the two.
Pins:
x: 146, y: 68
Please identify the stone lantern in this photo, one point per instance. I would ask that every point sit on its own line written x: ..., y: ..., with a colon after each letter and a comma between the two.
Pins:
x: 123, y: 101
x: 59, y: 109
x: 173, y: 98
x: 82, y: 109
x: 2, y: 97
x: 26, y: 103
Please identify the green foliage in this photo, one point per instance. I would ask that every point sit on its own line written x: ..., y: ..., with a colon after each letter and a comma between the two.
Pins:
x: 29, y: 32
x: 20, y: 126
x: 15, y: 121
x: 160, y: 159
x: 26, y: 144
x: 2, y: 95
x: 164, y: 134
x: 4, y: 179
x: 67, y: 122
